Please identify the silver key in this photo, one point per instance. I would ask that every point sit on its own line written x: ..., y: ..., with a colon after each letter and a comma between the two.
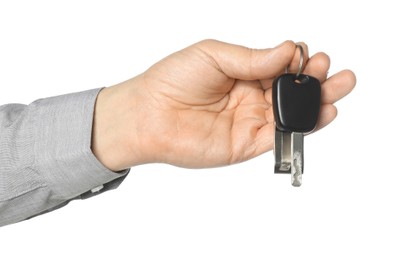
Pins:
x: 296, y: 103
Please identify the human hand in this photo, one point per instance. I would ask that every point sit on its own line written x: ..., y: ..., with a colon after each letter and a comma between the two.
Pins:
x: 207, y: 105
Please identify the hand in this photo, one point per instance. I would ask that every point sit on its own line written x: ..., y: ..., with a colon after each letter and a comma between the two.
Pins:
x: 207, y: 105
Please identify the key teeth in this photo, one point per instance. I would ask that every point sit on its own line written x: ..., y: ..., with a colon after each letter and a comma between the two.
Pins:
x: 297, y: 173
x: 297, y: 180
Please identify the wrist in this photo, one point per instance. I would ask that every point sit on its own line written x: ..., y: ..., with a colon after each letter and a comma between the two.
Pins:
x: 115, y: 140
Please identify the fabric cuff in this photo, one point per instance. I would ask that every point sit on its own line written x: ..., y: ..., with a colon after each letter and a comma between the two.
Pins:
x: 62, y: 145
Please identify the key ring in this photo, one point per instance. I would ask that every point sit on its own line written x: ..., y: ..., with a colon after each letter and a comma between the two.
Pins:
x: 300, y: 68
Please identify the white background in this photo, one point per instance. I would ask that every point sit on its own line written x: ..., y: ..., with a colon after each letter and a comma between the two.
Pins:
x: 344, y: 208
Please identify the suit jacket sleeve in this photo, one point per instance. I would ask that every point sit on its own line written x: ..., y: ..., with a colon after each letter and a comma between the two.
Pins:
x: 45, y: 156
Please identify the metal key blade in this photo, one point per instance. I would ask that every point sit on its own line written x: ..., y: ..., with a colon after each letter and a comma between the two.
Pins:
x: 288, y: 152
x: 282, y: 152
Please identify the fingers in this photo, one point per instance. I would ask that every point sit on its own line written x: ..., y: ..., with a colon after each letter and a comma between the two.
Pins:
x: 318, y: 66
x: 239, y: 62
x: 264, y: 140
x: 326, y: 115
x: 338, y: 86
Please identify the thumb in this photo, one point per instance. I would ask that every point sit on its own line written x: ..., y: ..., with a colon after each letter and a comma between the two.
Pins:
x: 240, y: 62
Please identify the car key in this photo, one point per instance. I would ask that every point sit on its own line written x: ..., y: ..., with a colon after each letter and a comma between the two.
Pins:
x: 296, y: 104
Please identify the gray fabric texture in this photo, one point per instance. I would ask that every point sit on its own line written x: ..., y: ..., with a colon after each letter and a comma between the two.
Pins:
x: 46, y: 158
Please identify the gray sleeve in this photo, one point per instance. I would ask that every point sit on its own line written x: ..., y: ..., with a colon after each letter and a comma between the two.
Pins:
x: 45, y: 156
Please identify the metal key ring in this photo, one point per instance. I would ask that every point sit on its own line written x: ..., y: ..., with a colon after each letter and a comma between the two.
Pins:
x: 300, y: 68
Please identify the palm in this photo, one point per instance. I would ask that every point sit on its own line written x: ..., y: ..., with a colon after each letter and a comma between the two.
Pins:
x: 210, y: 117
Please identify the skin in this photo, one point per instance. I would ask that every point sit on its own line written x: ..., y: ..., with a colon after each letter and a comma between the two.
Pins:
x: 207, y: 105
